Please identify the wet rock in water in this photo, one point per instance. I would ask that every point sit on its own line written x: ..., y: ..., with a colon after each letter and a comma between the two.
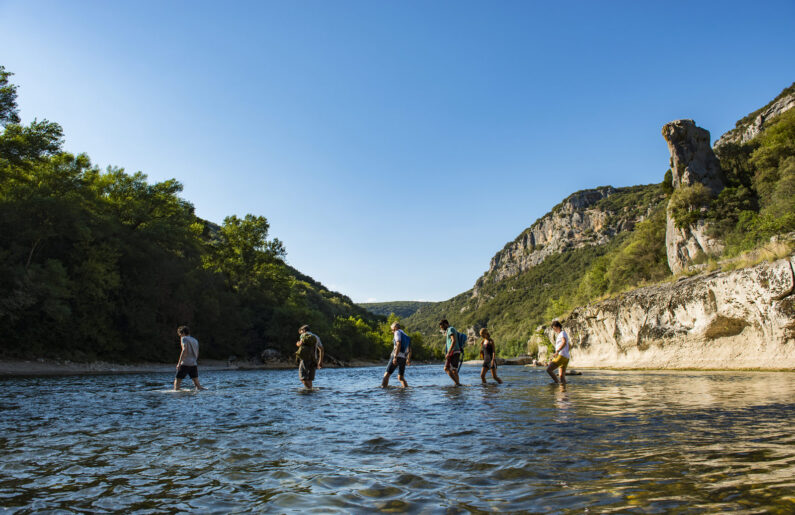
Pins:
x: 519, y: 360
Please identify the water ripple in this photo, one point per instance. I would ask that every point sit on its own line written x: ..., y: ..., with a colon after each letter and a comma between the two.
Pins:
x: 611, y: 442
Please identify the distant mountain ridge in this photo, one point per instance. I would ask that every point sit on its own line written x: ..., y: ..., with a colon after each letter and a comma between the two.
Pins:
x: 586, y: 217
x: 401, y: 308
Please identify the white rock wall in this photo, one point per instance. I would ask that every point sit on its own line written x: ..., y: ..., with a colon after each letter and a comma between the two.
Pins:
x: 726, y: 320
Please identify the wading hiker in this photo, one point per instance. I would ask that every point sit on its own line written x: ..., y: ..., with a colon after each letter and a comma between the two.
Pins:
x: 309, y: 355
x: 188, y: 358
x: 562, y: 354
x: 489, y: 355
x: 452, y: 350
x: 400, y: 357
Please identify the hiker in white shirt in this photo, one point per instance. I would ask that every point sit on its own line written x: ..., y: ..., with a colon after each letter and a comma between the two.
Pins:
x: 188, y: 362
x: 562, y: 353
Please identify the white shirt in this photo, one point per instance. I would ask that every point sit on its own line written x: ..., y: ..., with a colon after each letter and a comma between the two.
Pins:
x: 562, y: 347
x: 191, y: 346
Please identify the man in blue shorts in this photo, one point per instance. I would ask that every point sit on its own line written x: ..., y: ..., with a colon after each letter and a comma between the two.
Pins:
x: 400, y: 357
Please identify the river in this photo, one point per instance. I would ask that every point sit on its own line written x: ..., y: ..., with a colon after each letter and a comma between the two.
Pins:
x: 644, y: 441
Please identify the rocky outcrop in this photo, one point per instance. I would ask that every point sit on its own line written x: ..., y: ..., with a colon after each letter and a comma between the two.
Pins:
x: 576, y: 222
x: 739, y: 319
x: 692, y: 162
x: 749, y: 127
x: 692, y: 159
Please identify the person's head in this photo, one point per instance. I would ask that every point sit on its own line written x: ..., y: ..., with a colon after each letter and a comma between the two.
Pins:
x: 395, y: 326
x: 303, y: 329
x: 183, y: 330
x: 556, y: 326
x: 444, y: 324
x: 484, y: 333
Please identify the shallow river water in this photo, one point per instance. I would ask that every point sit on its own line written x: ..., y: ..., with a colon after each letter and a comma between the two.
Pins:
x: 688, y: 442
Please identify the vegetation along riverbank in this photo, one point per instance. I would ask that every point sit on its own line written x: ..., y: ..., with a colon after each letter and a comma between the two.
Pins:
x: 102, y: 265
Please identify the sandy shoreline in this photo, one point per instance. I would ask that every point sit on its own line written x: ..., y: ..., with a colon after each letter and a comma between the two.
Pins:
x: 42, y: 367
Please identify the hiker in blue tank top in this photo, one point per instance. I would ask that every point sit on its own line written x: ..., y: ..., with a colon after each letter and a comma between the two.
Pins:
x: 451, y: 350
x: 400, y: 357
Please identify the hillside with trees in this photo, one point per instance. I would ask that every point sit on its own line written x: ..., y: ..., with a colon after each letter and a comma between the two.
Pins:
x: 103, y: 264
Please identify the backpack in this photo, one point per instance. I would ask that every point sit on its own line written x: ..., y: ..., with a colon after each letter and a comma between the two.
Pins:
x: 405, y: 342
x: 461, y: 340
x: 306, y: 351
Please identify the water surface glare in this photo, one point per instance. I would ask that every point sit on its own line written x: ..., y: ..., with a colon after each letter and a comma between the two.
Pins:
x: 649, y: 442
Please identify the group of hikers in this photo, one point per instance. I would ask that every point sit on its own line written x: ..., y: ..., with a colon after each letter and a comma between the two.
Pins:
x: 310, y: 355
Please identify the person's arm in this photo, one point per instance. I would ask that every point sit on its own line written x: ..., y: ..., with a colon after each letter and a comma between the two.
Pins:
x: 395, y: 347
x: 182, y: 353
x: 322, y: 353
x: 493, y: 355
x: 408, y: 357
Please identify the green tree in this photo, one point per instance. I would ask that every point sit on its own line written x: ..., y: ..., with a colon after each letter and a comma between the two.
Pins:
x: 9, y: 112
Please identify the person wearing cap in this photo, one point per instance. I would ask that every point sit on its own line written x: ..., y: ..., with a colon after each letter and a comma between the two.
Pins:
x: 400, y: 357
x: 306, y: 370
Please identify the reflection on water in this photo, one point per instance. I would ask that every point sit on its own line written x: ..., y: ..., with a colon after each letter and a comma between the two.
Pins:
x: 610, y: 441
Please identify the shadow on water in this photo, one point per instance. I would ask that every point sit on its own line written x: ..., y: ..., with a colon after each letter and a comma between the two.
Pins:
x: 258, y: 441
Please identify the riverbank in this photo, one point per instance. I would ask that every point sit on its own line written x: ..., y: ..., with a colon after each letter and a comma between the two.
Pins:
x: 42, y: 367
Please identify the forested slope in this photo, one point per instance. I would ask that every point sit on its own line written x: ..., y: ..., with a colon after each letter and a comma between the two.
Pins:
x: 103, y: 264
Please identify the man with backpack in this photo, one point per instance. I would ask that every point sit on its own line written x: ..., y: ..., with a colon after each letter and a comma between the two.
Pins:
x: 453, y: 349
x: 400, y: 357
x: 309, y: 355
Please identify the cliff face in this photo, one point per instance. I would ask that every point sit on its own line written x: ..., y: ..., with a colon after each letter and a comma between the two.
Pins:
x: 750, y: 126
x: 692, y: 162
x: 578, y: 221
x: 739, y: 319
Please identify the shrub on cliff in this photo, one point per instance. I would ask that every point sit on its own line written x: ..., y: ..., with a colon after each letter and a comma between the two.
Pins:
x: 687, y: 204
x: 760, y: 200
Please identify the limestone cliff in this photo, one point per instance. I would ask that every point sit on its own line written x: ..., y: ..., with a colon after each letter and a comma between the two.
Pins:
x: 580, y: 220
x: 750, y: 126
x: 692, y: 162
x: 739, y: 319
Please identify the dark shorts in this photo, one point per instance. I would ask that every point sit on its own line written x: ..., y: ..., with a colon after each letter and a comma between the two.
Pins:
x: 400, y: 365
x: 487, y: 364
x: 187, y: 370
x: 452, y: 361
x: 306, y: 373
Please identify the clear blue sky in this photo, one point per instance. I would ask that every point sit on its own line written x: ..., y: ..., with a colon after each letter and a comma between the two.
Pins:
x: 393, y: 146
